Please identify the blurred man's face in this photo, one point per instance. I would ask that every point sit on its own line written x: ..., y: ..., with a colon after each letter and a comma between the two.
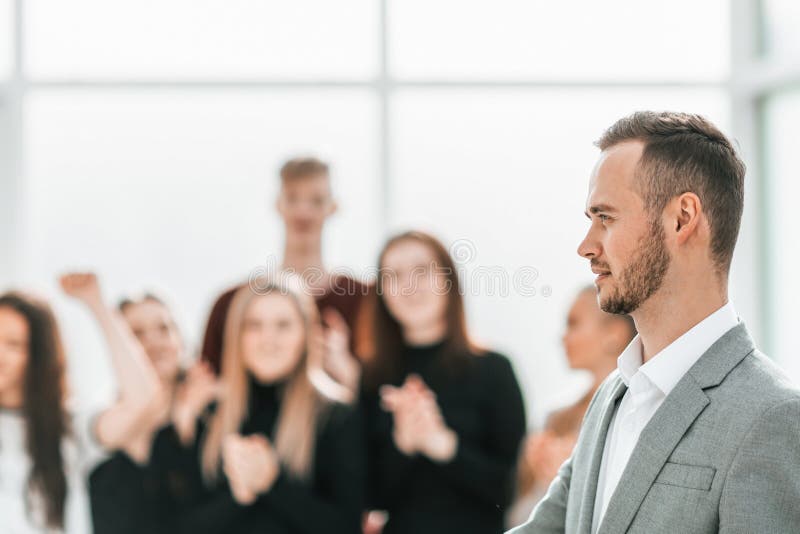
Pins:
x: 304, y: 204
x: 625, y: 248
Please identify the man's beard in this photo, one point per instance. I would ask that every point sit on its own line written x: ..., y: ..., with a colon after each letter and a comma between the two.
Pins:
x: 643, y: 276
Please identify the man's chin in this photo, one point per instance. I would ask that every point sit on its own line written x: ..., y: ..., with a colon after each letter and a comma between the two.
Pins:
x: 609, y: 301
x: 603, y: 294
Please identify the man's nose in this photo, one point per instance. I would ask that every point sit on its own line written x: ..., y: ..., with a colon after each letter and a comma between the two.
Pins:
x: 589, y: 248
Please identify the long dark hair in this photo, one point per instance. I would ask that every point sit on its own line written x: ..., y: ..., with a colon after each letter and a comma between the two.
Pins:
x: 43, y: 410
x: 386, y: 343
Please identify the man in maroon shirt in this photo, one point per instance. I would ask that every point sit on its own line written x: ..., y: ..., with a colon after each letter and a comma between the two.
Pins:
x: 305, y: 203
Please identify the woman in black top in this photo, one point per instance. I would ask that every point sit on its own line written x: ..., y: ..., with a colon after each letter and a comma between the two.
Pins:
x: 127, y: 490
x: 444, y: 418
x: 278, y: 455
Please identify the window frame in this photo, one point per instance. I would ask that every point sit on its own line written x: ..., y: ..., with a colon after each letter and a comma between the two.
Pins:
x: 753, y: 77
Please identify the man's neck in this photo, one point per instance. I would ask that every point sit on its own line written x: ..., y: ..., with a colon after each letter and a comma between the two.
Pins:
x: 304, y: 255
x: 668, y: 315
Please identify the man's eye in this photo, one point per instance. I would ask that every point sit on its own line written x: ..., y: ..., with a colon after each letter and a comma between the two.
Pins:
x: 603, y: 218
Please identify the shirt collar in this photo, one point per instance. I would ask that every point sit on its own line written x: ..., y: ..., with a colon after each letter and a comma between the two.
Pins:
x: 666, y: 368
x: 630, y: 360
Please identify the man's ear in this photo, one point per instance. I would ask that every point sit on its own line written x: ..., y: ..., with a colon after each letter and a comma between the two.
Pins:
x: 687, y: 212
x: 334, y: 207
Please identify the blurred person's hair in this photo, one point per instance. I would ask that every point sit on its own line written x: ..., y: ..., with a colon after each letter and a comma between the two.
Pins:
x: 385, y: 336
x: 303, y: 167
x: 304, y: 401
x: 43, y: 411
x: 128, y: 301
x: 687, y: 153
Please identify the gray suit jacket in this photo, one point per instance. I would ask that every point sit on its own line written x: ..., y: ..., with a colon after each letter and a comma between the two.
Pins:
x: 721, y: 454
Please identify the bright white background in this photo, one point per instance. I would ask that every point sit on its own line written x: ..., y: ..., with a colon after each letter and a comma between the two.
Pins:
x: 142, y: 139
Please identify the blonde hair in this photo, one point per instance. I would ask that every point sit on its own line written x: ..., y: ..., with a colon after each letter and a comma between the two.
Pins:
x: 303, y: 167
x: 302, y: 402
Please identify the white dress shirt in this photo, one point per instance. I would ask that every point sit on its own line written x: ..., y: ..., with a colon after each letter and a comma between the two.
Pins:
x: 648, y: 386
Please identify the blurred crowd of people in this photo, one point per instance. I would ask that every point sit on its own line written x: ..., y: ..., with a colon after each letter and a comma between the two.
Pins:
x: 319, y: 403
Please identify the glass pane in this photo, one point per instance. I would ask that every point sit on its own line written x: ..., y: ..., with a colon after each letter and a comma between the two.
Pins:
x: 574, y: 39
x: 502, y: 176
x: 782, y: 163
x: 780, y: 19
x: 8, y: 198
x: 212, y: 38
x: 176, y: 190
x: 6, y: 36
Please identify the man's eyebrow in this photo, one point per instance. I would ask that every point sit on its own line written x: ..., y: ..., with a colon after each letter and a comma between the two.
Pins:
x: 598, y: 208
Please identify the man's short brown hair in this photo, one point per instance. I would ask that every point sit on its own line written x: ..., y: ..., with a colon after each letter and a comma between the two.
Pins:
x: 303, y: 167
x: 687, y: 153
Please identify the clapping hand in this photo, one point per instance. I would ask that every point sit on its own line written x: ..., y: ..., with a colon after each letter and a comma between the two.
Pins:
x: 419, y: 426
x: 198, y: 390
x: 338, y: 361
x: 251, y: 465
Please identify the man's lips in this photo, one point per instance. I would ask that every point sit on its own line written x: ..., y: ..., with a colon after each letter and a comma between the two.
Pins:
x: 602, y: 274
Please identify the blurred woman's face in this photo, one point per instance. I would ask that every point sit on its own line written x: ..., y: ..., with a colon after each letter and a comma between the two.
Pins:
x: 585, y: 338
x: 273, y: 337
x: 415, y: 289
x: 152, y: 324
x: 14, y: 343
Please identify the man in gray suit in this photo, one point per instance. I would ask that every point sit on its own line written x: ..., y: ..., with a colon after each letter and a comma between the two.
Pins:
x: 696, y: 431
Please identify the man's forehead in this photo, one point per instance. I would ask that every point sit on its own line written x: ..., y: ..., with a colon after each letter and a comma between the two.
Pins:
x: 618, y: 162
x: 612, y: 178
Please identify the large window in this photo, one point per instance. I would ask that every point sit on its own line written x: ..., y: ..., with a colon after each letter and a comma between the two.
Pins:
x: 780, y: 38
x: 177, y: 188
x: 6, y: 35
x: 774, y: 65
x: 782, y: 189
x: 8, y: 134
x: 612, y: 40
x: 215, y: 39
x: 152, y: 132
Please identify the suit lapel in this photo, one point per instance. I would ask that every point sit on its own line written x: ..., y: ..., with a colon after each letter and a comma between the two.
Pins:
x: 598, y: 440
x: 663, y: 433
x: 657, y: 441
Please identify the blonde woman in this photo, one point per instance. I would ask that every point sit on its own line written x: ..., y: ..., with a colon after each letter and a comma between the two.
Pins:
x: 277, y: 455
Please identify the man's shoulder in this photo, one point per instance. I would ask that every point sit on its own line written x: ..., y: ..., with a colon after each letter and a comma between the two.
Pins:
x: 756, y: 385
